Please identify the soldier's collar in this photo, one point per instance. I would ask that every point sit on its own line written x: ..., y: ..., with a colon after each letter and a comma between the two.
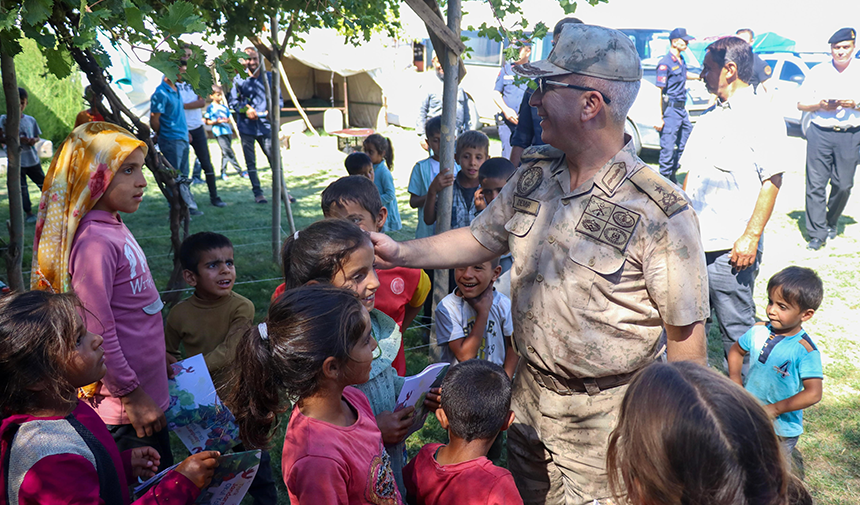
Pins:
x: 616, y: 170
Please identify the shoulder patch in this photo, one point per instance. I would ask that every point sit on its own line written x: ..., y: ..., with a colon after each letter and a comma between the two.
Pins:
x: 669, y: 199
x: 544, y: 152
x: 807, y: 343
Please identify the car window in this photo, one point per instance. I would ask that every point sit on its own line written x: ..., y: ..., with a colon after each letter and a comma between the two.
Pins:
x: 791, y: 72
x: 483, y: 50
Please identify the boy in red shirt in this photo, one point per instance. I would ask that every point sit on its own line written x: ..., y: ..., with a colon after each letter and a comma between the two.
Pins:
x: 402, y: 291
x: 476, y: 401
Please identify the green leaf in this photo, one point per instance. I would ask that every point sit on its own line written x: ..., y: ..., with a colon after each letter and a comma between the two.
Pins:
x: 164, y: 62
x: 134, y: 18
x: 58, y: 62
x: 180, y: 18
x: 8, y: 18
x: 36, y: 12
x: 42, y: 36
x: 9, y: 41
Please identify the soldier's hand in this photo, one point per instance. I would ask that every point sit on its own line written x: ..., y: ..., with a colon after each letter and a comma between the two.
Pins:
x: 387, y: 251
x: 848, y: 104
x: 659, y: 127
x: 744, y: 252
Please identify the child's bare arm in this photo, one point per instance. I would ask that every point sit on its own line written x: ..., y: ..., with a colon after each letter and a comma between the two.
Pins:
x: 810, y: 395
x: 442, y: 180
x: 416, y: 201
x: 512, y: 359
x: 736, y: 363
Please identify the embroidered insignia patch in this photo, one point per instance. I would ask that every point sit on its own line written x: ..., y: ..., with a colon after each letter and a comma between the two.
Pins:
x: 608, y: 223
x: 529, y: 180
x: 661, y: 191
x: 615, y: 176
x: 526, y: 205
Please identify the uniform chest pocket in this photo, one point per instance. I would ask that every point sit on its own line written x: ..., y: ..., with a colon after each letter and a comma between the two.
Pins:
x: 595, y: 268
x: 520, y: 224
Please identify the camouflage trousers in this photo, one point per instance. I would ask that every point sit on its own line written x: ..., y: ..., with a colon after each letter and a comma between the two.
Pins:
x: 557, y: 444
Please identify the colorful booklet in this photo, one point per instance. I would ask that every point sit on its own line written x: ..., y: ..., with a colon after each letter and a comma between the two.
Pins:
x: 415, y: 389
x: 230, y: 483
x: 195, y: 413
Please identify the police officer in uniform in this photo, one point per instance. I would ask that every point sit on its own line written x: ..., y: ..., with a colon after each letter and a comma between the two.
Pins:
x: 830, y: 93
x: 761, y: 70
x: 672, y: 78
x: 607, y: 253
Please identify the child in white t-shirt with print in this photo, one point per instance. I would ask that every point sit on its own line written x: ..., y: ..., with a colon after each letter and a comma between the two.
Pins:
x: 475, y: 320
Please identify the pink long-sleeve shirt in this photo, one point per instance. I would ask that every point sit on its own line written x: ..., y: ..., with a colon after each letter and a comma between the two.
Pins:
x: 111, y: 277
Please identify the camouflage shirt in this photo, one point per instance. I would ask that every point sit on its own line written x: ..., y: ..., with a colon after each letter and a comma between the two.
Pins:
x: 598, y: 269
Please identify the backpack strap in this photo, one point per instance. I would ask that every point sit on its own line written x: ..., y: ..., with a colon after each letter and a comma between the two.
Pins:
x: 109, y: 485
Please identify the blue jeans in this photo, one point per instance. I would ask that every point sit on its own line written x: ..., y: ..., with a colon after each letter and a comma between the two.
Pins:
x: 265, y: 142
x: 731, y: 295
x: 176, y: 152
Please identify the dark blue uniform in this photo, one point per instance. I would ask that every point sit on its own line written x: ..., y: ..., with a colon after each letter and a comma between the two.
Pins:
x: 672, y: 77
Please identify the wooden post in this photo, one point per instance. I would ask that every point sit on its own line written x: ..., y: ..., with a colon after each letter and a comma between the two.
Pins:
x: 345, y: 104
x: 275, y: 122
x: 450, y: 65
x: 15, y: 247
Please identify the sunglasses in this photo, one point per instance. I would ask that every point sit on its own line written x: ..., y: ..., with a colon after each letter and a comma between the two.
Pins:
x: 543, y: 81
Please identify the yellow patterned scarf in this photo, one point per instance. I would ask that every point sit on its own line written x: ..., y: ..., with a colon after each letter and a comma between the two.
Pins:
x: 80, y: 172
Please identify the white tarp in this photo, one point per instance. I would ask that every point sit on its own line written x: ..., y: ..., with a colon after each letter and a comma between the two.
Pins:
x: 318, y: 68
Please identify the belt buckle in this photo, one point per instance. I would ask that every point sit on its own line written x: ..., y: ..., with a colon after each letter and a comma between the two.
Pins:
x: 559, y: 387
x: 839, y: 129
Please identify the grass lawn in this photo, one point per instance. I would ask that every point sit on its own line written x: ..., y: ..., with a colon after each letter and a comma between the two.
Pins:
x: 830, y: 448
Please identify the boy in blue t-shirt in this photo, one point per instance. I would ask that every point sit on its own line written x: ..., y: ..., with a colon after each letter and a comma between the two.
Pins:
x: 218, y: 116
x: 31, y: 165
x: 785, y: 372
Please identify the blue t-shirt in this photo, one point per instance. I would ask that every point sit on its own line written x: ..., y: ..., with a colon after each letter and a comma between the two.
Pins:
x: 385, y: 184
x: 214, y: 112
x: 672, y: 77
x: 167, y: 102
x: 511, y: 93
x: 27, y: 127
x: 422, y: 176
x: 778, y: 366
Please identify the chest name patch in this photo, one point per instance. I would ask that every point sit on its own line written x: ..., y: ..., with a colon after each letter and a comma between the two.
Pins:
x: 527, y: 205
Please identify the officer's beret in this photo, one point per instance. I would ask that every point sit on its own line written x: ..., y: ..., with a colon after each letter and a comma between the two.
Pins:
x: 843, y: 35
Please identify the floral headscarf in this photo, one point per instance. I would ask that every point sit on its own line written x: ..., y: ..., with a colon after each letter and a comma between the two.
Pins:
x: 80, y: 173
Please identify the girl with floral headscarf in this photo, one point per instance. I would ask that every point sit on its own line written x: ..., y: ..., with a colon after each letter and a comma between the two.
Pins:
x: 82, y: 245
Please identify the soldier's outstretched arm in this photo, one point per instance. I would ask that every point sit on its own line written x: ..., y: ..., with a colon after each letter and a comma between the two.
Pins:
x: 687, y: 343
x: 454, y: 248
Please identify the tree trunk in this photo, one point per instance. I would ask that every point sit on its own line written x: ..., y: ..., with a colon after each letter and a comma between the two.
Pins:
x: 120, y: 115
x: 450, y: 65
x: 15, y: 249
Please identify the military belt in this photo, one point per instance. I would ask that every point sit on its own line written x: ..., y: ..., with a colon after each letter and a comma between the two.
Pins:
x: 677, y: 105
x: 590, y: 385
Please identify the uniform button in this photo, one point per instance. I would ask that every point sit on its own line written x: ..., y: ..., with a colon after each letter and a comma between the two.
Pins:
x: 539, y: 278
x: 530, y: 349
x: 530, y: 315
x: 591, y: 262
x: 565, y: 202
x: 550, y: 239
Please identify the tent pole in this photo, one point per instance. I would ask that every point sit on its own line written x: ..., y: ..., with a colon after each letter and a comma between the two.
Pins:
x: 345, y: 103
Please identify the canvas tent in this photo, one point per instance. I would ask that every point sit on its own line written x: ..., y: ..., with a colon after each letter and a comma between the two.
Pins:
x: 325, y: 72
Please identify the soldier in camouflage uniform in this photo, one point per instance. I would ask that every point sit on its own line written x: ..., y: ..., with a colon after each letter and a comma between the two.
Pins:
x: 607, y: 254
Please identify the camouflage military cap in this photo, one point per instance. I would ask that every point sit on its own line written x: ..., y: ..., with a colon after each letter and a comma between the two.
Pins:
x: 589, y: 50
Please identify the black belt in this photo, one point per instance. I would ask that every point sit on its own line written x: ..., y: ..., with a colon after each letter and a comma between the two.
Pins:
x: 590, y: 385
x: 839, y: 129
